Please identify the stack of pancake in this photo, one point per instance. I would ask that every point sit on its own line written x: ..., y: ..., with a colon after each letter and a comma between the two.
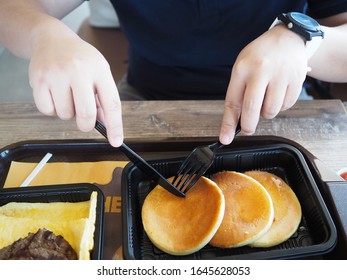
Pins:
x: 230, y: 210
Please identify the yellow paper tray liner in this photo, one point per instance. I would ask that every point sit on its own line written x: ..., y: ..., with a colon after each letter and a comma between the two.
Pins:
x: 99, y: 172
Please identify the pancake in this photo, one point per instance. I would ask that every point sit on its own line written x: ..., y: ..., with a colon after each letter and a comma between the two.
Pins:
x: 286, y: 207
x: 181, y: 226
x: 248, y: 210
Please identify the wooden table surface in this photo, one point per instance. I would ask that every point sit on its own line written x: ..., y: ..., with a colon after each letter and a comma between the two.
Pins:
x: 320, y: 126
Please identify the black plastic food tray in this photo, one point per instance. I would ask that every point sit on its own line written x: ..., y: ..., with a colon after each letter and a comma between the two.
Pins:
x: 62, y: 193
x: 315, y: 236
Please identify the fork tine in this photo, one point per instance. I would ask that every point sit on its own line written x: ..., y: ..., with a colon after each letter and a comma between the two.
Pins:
x: 197, y: 176
x: 188, y: 179
x: 190, y: 171
x: 191, y: 183
x: 187, y: 161
x: 196, y: 164
x: 192, y: 168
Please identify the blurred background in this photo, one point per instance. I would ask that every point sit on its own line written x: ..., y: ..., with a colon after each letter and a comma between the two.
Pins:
x: 14, y: 82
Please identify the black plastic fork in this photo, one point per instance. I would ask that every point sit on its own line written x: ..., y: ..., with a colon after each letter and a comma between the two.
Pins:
x: 196, y: 164
x: 142, y: 164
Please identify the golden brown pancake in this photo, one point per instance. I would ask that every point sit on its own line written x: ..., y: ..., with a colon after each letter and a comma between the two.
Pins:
x: 248, y: 210
x: 181, y: 226
x: 286, y: 206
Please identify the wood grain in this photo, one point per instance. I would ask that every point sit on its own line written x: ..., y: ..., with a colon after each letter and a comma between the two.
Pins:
x: 318, y: 125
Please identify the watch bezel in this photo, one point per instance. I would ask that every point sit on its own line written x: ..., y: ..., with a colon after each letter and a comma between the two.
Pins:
x: 304, y: 21
x: 302, y: 24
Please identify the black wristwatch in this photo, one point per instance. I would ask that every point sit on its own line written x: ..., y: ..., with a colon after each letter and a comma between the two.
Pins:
x: 304, y: 26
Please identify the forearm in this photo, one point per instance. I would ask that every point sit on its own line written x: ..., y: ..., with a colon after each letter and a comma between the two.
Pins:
x: 23, y: 22
x: 329, y: 63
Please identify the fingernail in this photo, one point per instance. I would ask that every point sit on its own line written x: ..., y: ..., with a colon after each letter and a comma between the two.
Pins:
x: 116, y: 141
x: 225, y: 139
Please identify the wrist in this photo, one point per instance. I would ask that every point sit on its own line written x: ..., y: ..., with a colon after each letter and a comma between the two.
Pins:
x: 304, y: 26
x: 285, y: 32
x: 48, y: 30
x: 288, y: 41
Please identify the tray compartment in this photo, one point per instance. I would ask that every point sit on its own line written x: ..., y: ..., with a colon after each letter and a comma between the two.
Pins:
x: 62, y: 193
x: 315, y: 236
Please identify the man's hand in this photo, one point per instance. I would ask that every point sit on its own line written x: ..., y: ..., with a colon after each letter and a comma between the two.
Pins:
x: 70, y: 78
x: 267, y: 78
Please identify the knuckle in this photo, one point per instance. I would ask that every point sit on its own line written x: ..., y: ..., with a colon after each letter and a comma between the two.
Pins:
x: 256, y: 63
x: 249, y: 105
x: 39, y: 78
x: 113, y: 106
x: 231, y: 106
x: 87, y: 113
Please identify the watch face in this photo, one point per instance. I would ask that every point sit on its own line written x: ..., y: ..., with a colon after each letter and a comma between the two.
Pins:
x: 304, y: 21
